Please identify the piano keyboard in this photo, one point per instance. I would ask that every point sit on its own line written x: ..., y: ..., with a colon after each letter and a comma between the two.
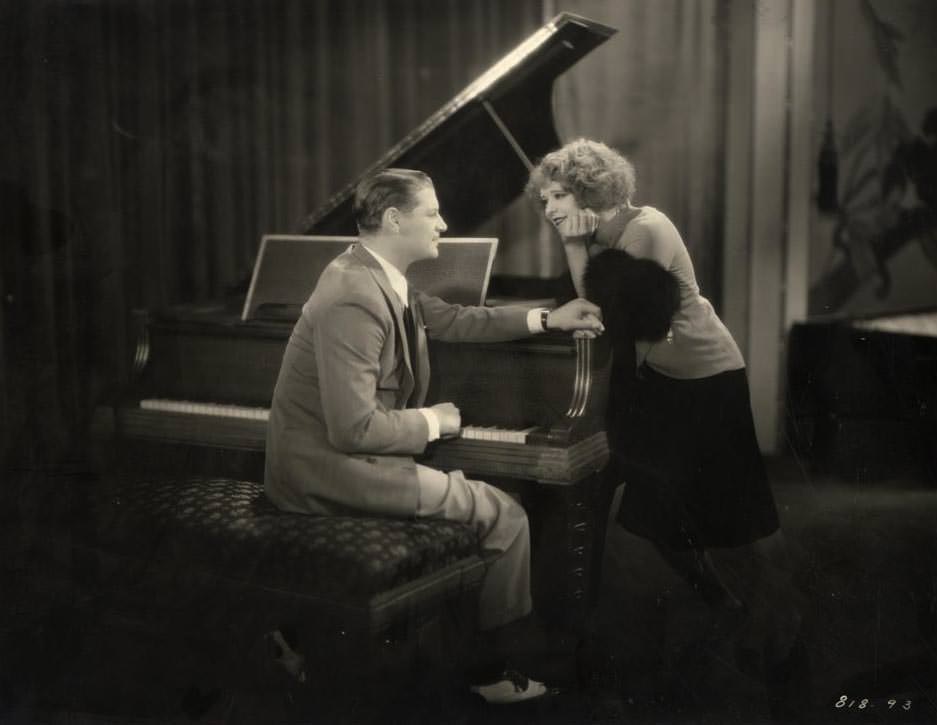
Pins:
x: 495, y: 434
x: 479, y: 451
x: 223, y: 410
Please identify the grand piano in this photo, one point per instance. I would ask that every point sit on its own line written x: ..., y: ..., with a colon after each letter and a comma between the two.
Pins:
x: 533, y: 409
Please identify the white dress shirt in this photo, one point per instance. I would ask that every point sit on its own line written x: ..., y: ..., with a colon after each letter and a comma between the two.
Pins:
x: 399, y: 284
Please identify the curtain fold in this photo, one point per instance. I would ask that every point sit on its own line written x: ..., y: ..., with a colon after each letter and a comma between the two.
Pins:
x: 656, y: 91
x: 150, y: 143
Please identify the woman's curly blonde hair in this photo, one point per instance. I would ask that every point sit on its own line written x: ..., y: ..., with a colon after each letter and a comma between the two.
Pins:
x: 595, y: 174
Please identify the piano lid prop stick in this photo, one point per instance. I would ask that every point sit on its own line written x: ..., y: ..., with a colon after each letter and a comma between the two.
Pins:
x: 507, y: 134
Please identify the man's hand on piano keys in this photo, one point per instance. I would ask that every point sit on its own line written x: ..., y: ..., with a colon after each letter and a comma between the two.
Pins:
x: 580, y: 317
x: 450, y: 419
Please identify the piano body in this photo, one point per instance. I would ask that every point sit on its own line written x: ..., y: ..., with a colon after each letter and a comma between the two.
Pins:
x: 533, y: 409
x: 862, y: 395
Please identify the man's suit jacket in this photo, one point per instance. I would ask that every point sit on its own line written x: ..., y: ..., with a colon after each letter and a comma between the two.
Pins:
x: 340, y: 437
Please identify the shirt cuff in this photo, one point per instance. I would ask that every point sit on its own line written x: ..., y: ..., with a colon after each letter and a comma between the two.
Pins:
x: 533, y: 320
x: 432, y: 422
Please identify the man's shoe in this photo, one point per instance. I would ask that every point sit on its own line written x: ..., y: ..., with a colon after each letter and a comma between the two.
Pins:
x: 512, y: 687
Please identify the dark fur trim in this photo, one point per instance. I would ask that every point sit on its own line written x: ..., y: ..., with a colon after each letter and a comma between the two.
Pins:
x: 638, y: 297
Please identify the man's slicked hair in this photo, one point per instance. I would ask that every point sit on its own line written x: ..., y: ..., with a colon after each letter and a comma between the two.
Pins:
x: 385, y: 189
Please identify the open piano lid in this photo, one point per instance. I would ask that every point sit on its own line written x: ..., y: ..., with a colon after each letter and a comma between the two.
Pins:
x: 478, y: 148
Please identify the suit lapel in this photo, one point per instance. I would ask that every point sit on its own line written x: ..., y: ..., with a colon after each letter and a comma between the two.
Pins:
x: 396, y: 308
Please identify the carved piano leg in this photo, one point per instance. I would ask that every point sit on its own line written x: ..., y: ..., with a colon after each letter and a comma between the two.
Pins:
x: 603, y: 494
x: 565, y: 528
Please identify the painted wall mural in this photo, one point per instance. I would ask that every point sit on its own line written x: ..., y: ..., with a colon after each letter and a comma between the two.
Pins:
x: 874, y: 242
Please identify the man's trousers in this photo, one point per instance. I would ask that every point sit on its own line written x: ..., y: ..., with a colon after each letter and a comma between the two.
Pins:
x: 502, y: 528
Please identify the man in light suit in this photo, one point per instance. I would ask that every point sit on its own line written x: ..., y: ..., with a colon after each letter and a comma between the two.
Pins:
x: 347, y: 415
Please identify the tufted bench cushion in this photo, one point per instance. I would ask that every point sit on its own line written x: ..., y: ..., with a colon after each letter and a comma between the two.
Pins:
x: 370, y: 565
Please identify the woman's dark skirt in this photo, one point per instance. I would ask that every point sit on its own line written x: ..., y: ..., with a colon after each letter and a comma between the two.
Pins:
x: 687, y: 451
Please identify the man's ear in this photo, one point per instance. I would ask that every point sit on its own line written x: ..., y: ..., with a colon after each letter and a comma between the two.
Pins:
x: 391, y: 218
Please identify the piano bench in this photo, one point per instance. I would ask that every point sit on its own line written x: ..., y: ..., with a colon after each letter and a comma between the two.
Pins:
x: 353, y: 573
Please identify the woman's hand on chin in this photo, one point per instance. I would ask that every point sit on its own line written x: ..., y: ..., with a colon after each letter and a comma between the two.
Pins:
x: 577, y: 224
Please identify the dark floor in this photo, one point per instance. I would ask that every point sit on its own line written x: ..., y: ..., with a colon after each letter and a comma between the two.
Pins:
x: 862, y: 648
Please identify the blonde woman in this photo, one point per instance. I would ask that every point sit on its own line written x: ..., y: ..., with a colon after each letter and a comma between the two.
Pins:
x: 680, y: 421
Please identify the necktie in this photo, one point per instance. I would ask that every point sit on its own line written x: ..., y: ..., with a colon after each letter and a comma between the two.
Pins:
x: 410, y: 328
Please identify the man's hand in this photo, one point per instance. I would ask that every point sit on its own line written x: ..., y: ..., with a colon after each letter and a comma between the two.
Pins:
x: 578, y: 224
x: 450, y: 420
x: 579, y: 316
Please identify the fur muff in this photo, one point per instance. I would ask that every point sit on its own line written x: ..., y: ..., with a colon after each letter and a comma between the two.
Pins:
x: 638, y: 297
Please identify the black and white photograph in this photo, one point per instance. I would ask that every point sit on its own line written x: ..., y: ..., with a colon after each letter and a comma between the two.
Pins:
x: 443, y: 362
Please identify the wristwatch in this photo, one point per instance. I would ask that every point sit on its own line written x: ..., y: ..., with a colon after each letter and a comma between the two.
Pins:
x: 544, y: 316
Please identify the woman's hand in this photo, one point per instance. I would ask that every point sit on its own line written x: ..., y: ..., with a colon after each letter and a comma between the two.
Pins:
x: 578, y: 224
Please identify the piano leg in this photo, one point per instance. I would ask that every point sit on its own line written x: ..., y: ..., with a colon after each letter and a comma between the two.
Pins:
x: 567, y: 525
x: 603, y: 495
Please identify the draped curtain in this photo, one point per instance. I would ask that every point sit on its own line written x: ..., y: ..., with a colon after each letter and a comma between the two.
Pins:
x: 657, y: 92
x: 149, y: 143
